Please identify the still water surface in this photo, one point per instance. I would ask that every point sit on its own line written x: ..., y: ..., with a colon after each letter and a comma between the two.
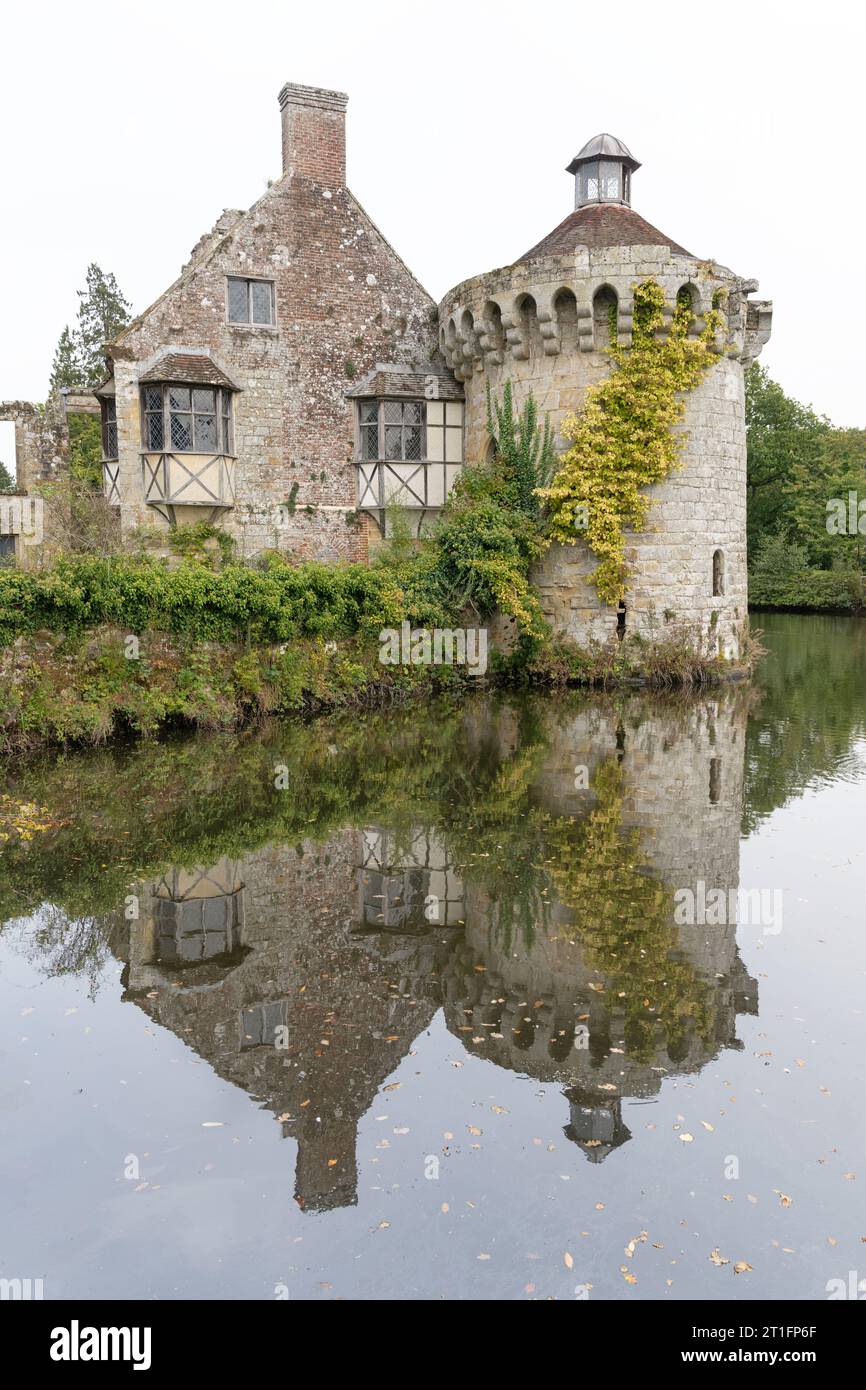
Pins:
x: 415, y: 1004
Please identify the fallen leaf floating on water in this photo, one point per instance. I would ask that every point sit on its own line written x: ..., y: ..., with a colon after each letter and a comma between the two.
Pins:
x: 212, y: 1124
x: 483, y: 1256
x: 718, y: 1259
x: 784, y: 1199
x: 742, y: 1267
x: 687, y: 1138
x: 706, y: 1124
x: 568, y: 1260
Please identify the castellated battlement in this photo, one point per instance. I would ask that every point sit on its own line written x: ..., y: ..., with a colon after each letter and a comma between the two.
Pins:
x: 557, y: 305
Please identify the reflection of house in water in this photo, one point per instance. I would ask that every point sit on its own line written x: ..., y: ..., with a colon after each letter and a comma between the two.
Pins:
x: 350, y: 1002
x: 330, y: 950
x: 407, y: 882
x: 198, y: 916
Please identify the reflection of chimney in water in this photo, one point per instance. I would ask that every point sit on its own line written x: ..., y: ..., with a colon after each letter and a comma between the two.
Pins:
x: 326, y: 1173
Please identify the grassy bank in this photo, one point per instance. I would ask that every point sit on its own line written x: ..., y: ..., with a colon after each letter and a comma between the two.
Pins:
x: 90, y: 685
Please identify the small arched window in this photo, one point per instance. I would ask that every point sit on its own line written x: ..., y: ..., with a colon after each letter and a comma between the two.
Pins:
x: 718, y: 573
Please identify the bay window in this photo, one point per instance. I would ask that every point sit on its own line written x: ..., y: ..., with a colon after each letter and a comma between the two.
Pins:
x: 179, y: 418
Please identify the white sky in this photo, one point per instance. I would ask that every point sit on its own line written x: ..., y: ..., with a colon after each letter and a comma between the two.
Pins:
x: 128, y: 127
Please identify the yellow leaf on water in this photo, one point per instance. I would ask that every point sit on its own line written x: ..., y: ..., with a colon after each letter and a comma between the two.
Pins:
x: 742, y: 1267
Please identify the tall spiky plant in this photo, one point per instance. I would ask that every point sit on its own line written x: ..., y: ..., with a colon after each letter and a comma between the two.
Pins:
x: 523, y: 447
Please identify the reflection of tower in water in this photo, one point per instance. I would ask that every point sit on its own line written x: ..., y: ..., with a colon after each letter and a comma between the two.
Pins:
x: 606, y: 994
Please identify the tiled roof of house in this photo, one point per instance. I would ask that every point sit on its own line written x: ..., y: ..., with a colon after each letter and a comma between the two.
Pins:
x: 597, y: 225
x: 197, y: 369
x: 388, y: 379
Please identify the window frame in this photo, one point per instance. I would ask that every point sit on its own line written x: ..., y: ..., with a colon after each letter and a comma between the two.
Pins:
x: 249, y: 281
x: 223, y: 418
x: 107, y: 423
x: 381, y: 456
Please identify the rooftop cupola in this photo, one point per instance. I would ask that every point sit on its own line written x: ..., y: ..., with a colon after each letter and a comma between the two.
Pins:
x: 602, y: 172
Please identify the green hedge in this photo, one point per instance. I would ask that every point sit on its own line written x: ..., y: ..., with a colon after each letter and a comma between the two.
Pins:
x: 276, y: 604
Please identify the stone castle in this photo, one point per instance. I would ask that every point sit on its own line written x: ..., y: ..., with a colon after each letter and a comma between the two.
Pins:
x: 296, y: 379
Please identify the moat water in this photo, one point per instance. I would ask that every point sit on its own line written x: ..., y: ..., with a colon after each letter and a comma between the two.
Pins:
x: 548, y: 997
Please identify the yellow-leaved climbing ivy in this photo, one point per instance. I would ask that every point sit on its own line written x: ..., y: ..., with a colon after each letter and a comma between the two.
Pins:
x: 624, y: 440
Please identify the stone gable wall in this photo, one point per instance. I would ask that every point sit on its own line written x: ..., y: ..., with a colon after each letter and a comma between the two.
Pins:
x: 344, y: 300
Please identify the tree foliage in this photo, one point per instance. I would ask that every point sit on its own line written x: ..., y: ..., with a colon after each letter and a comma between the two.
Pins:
x: 807, y: 503
x: 103, y: 311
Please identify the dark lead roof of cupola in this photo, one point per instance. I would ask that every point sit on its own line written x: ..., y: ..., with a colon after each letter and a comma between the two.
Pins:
x: 604, y: 146
x: 597, y: 225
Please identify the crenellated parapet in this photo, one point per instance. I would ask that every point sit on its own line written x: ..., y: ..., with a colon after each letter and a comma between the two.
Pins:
x: 583, y: 301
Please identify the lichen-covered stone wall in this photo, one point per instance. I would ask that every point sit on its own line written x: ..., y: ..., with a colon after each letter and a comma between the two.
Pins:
x: 344, y: 300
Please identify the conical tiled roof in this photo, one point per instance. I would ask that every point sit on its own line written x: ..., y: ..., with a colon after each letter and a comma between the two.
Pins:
x: 597, y: 225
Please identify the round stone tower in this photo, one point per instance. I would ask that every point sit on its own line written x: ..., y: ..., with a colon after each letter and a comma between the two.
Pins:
x: 544, y: 323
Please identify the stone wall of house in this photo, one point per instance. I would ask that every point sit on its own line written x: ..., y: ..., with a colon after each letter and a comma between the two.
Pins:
x: 344, y: 300
x: 539, y: 325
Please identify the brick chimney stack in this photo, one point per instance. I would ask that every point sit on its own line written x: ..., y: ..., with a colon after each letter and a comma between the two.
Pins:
x: 314, y: 134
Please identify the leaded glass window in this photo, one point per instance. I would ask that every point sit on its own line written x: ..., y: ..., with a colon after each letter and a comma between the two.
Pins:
x: 109, y: 428
x: 368, y: 423
x: 250, y: 301
x: 405, y: 431
x: 187, y: 419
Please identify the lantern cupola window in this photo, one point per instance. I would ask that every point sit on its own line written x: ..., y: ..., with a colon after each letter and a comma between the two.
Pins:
x: 602, y: 172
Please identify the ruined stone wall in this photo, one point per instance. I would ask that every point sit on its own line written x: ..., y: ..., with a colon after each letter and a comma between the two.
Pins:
x: 537, y: 325
x: 344, y: 300
x: 41, y: 443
